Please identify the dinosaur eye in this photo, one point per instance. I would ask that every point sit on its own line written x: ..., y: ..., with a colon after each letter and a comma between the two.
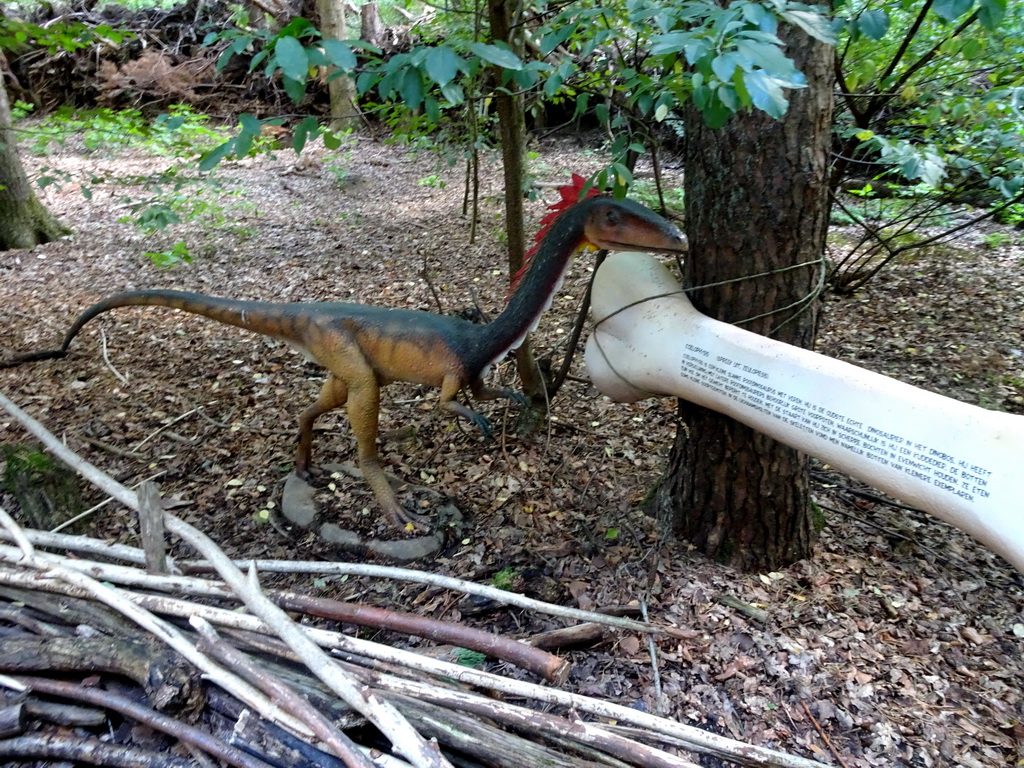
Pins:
x: 611, y: 217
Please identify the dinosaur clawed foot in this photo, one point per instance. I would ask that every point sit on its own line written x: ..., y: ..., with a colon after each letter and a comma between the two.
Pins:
x: 518, y: 397
x: 407, y: 521
x: 482, y: 424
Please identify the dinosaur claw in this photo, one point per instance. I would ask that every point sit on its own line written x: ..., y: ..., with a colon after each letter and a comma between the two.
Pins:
x: 519, y: 397
x: 483, y: 425
x: 409, y: 521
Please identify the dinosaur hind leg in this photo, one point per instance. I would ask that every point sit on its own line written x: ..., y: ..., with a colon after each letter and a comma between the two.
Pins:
x: 364, y: 415
x: 333, y: 394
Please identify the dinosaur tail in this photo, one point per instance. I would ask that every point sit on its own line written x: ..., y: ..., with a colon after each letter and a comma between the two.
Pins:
x: 250, y: 315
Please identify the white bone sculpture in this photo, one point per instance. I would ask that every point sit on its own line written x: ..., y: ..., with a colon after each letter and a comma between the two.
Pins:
x: 961, y: 463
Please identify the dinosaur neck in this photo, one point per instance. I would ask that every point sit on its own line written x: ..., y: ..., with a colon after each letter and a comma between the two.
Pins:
x: 536, y: 289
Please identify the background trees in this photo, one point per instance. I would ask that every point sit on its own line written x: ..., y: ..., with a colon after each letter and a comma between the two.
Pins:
x: 24, y: 222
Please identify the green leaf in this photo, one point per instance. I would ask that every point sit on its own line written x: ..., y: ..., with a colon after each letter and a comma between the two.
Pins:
x: 552, y: 40
x: 411, y: 88
x: 211, y: 159
x: 765, y: 93
x: 308, y: 129
x: 873, y: 24
x: 331, y: 140
x: 295, y: 89
x: 442, y: 64
x: 339, y: 54
x: 723, y: 65
x: 431, y: 108
x: 991, y: 13
x: 952, y: 9
x: 453, y: 93
x: 814, y: 24
x: 366, y: 81
x: 292, y: 58
x: 501, y: 57
x: 552, y: 84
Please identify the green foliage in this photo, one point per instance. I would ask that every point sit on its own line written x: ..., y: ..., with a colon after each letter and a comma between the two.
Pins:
x: 935, y: 93
x: 505, y: 578
x: 724, y: 59
x: 931, y: 94
x: 467, y: 658
x: 18, y: 36
x: 179, y: 133
x: 45, y: 489
x: 177, y: 254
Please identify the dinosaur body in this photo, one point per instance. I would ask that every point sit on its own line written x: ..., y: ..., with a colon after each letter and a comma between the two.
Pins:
x: 365, y: 347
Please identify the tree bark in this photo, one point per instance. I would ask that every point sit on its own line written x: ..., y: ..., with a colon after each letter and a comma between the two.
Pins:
x: 756, y: 194
x: 342, y: 89
x: 512, y: 137
x: 24, y: 222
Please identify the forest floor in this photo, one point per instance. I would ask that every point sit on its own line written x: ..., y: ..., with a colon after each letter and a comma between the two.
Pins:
x: 902, y: 636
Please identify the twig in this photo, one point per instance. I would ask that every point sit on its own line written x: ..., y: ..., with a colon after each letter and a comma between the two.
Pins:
x: 94, y: 508
x: 126, y: 706
x: 824, y: 736
x: 404, y: 738
x: 689, y: 737
x: 166, y: 426
x: 49, y: 565
x: 535, y: 660
x: 547, y: 665
x: 16, y: 533
x: 527, y: 719
x: 698, y: 739
x: 281, y: 694
x: 151, y: 528
x: 122, y: 452
x: 652, y: 650
x: 747, y: 609
x: 129, y: 499
x: 89, y: 751
x: 106, y: 358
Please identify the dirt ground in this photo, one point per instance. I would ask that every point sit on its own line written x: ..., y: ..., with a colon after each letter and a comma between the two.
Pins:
x: 900, y: 643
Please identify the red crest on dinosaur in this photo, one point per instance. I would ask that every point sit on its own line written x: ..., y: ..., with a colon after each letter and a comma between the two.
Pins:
x: 570, y: 195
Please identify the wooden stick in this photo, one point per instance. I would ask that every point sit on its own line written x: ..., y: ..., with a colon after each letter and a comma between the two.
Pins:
x: 126, y: 706
x: 280, y: 693
x: 404, y: 738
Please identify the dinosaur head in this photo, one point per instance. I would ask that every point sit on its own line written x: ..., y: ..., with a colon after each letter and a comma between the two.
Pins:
x: 624, y: 225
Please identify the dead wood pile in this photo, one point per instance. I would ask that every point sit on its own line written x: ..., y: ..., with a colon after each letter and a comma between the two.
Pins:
x: 161, y: 62
x: 255, y: 687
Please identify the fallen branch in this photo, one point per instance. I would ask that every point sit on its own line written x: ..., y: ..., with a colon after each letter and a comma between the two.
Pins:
x: 404, y: 738
x: 281, y: 694
x: 155, y: 720
x: 535, y: 660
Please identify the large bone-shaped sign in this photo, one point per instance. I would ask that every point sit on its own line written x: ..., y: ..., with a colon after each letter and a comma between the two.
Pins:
x: 961, y: 463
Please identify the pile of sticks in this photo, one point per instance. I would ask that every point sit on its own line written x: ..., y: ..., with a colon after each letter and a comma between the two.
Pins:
x: 254, y: 687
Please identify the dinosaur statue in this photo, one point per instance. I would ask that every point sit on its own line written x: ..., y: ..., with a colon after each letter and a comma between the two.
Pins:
x: 365, y: 347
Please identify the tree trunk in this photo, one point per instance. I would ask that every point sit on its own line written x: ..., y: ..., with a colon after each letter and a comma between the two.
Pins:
x: 512, y: 136
x: 341, y: 90
x: 756, y: 195
x: 24, y: 222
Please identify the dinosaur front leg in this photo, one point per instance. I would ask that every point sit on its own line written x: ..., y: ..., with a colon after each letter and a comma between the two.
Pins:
x: 364, y: 414
x: 482, y: 392
x: 449, y: 391
x: 333, y: 394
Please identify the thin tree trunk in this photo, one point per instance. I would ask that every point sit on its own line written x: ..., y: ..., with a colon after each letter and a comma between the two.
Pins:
x: 341, y: 90
x: 24, y: 221
x: 756, y: 193
x: 512, y: 132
